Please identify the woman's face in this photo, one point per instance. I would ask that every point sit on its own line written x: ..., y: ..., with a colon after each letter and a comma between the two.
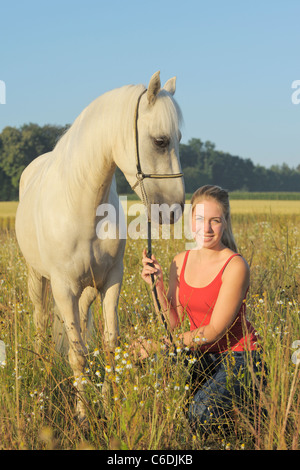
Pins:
x: 208, y: 224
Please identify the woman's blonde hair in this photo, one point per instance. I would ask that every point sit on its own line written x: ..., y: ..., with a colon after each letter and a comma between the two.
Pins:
x: 221, y: 197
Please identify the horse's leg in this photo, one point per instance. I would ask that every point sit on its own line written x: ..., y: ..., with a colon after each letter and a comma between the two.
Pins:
x: 37, y: 285
x: 110, y: 297
x: 110, y: 293
x: 87, y: 298
x: 67, y: 302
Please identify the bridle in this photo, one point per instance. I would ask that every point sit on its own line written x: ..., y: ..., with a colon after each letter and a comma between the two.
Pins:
x: 140, y: 176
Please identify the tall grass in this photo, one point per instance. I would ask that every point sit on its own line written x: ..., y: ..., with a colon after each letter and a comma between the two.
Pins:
x: 146, y: 406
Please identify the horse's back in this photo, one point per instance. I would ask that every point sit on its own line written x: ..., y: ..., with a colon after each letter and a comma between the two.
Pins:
x: 31, y: 172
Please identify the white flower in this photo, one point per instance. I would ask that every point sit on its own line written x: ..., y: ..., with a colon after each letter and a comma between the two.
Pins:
x: 192, y: 360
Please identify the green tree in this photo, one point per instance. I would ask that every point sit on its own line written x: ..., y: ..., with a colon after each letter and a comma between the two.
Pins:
x: 18, y: 147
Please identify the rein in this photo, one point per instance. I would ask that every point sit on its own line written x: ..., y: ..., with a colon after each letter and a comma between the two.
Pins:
x: 140, y: 176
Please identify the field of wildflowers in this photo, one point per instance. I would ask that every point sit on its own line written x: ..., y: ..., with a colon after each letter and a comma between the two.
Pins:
x: 147, y: 402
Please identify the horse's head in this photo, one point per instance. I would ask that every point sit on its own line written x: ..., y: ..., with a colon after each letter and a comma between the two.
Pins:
x: 154, y: 170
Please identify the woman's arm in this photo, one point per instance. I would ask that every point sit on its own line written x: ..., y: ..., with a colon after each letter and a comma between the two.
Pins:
x: 235, y: 281
x: 166, y: 299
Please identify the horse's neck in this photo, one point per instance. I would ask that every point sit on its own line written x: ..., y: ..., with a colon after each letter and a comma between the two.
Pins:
x: 85, y: 153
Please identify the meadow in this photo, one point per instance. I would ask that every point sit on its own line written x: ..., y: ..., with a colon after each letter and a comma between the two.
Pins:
x: 146, y: 408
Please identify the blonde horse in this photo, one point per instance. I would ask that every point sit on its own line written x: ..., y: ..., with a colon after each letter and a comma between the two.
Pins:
x: 132, y: 128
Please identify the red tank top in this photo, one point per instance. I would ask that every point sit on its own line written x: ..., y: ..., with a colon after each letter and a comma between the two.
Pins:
x: 198, y: 303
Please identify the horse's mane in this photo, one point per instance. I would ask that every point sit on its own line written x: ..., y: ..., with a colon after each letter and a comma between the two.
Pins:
x: 107, y: 119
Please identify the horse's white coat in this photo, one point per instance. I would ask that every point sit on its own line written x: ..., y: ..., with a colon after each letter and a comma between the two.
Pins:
x: 61, y: 190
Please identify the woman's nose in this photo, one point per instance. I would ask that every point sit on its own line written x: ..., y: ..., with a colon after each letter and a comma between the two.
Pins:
x: 207, y: 226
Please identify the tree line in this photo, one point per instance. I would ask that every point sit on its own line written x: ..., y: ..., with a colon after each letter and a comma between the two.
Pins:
x: 201, y: 164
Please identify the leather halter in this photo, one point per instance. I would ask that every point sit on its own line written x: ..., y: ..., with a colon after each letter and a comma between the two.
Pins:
x: 140, y: 175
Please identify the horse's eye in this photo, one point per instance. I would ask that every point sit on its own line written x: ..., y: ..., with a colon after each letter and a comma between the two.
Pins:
x: 161, y: 142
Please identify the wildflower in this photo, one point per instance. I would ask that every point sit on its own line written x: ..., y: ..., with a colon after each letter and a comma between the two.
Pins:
x: 98, y: 373
x: 192, y: 360
x: 177, y: 387
x: 135, y: 388
x: 96, y: 352
x: 187, y: 387
x: 128, y: 365
x: 108, y: 369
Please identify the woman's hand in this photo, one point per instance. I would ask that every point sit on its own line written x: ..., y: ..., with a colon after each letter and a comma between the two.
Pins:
x: 151, y: 266
x: 143, y: 348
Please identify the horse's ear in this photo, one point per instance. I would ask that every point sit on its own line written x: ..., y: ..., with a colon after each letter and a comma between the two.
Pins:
x: 153, y: 88
x: 170, y: 85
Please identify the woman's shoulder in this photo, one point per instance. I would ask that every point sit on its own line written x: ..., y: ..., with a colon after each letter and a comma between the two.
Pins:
x: 177, y: 263
x: 179, y: 258
x: 236, y: 266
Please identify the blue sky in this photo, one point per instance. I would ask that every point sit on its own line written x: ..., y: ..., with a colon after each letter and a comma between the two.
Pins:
x: 235, y: 62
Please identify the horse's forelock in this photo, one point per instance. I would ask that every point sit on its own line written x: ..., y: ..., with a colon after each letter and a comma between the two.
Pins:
x: 167, y: 116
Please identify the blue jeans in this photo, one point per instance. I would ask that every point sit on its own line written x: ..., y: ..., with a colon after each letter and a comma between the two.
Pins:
x: 222, y: 381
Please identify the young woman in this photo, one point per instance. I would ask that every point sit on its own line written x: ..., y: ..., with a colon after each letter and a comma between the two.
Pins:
x: 209, y: 284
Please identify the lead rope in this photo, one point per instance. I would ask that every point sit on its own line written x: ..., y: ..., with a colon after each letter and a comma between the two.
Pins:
x: 140, y: 181
x: 164, y: 321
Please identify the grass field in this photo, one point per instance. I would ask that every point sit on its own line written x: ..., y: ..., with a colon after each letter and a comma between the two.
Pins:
x: 238, y: 206
x: 147, y: 405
